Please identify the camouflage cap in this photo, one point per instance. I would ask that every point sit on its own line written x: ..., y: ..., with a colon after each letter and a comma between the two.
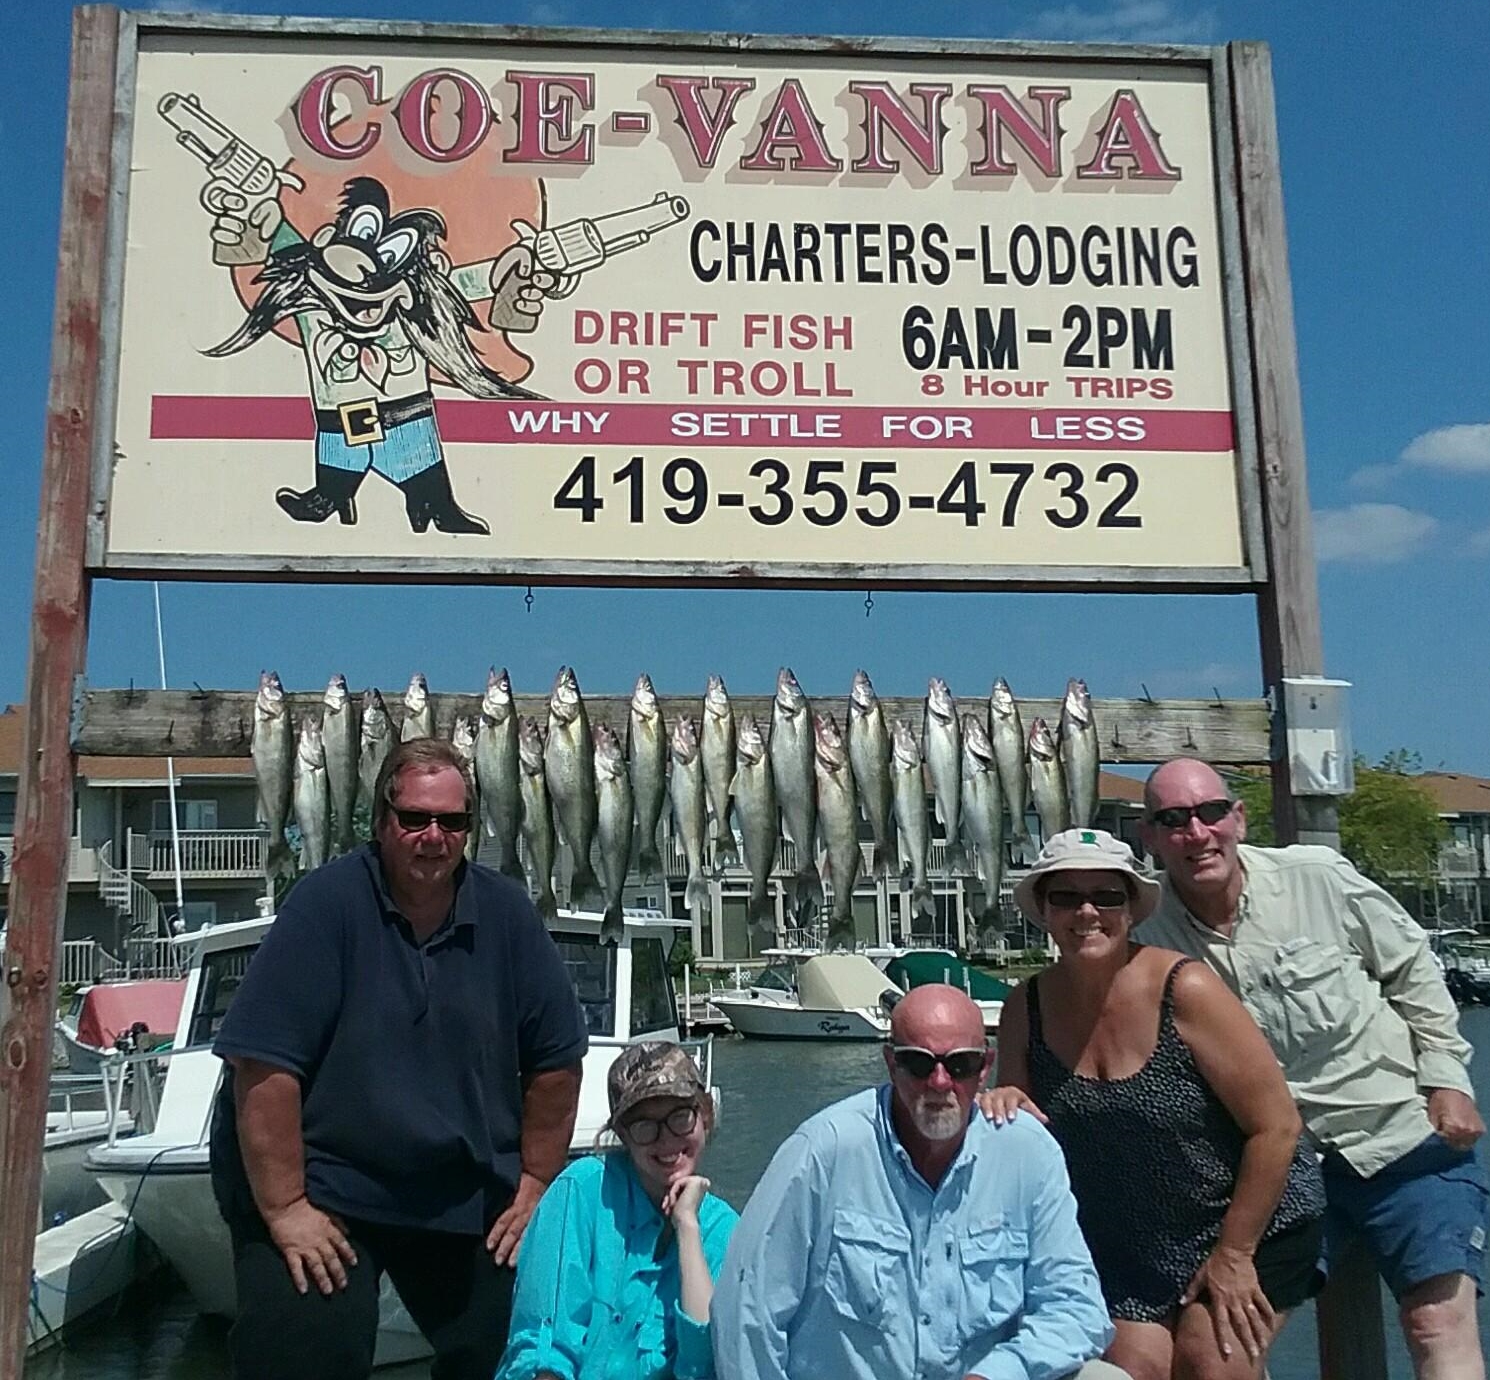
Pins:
x: 651, y: 1068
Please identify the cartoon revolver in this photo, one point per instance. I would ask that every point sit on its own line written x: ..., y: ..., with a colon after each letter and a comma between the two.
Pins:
x: 233, y: 165
x: 553, y: 260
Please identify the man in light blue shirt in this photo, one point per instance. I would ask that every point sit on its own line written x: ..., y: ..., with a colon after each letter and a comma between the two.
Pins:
x: 893, y: 1236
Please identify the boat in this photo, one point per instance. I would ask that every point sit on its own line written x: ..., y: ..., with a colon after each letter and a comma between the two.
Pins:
x: 104, y: 1018
x: 162, y: 1179
x: 808, y: 995
x: 915, y: 967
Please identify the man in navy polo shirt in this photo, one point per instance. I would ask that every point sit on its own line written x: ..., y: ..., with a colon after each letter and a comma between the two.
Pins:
x: 404, y: 1064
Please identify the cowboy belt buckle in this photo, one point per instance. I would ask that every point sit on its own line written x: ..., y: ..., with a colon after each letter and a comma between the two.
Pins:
x: 361, y: 423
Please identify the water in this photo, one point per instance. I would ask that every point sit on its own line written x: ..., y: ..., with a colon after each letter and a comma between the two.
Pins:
x: 767, y: 1090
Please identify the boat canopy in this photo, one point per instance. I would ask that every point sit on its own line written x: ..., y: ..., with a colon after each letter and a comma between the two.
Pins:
x: 841, y: 982
x: 111, y: 1008
x: 917, y: 968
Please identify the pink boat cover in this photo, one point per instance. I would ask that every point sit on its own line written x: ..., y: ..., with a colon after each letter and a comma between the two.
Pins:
x: 110, y: 1008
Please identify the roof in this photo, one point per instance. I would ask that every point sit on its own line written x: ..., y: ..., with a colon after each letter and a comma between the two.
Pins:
x: 1457, y: 794
x: 117, y: 770
x: 110, y: 1008
x: 840, y: 982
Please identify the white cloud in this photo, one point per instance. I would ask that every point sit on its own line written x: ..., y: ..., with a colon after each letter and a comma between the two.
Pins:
x: 1371, y: 533
x: 1479, y: 543
x: 1463, y: 449
x: 1131, y: 21
x: 1372, y: 478
x: 1455, y: 449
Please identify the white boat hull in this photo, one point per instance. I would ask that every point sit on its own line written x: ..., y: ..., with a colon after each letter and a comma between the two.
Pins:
x: 169, y: 1197
x: 787, y: 1020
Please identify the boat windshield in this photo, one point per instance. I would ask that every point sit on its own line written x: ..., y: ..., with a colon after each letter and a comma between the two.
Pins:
x: 222, y: 971
x: 776, y: 978
x: 592, y: 970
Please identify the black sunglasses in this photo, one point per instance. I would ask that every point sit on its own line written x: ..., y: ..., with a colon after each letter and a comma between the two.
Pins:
x: 1207, y: 812
x: 1068, y: 898
x: 644, y: 1130
x: 962, y: 1065
x: 417, y: 821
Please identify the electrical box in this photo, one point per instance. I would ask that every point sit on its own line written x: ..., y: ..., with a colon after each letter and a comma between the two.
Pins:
x: 1316, y: 715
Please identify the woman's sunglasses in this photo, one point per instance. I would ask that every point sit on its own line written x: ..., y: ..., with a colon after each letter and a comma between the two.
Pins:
x: 962, y: 1065
x: 1207, y: 812
x: 1106, y: 898
x: 644, y: 1130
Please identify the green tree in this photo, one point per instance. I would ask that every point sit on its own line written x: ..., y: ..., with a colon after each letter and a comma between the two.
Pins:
x: 1255, y: 791
x: 1389, y: 826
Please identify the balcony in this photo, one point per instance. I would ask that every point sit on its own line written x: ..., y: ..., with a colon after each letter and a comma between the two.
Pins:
x: 82, y: 863
x: 206, y: 854
x: 1460, y: 861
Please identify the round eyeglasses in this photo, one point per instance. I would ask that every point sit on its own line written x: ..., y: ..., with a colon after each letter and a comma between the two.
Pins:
x: 644, y: 1130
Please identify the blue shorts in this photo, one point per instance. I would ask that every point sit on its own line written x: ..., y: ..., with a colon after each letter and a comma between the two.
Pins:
x: 1421, y: 1216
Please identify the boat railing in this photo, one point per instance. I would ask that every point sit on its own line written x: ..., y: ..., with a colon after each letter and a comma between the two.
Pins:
x: 133, y: 1084
x: 65, y: 1089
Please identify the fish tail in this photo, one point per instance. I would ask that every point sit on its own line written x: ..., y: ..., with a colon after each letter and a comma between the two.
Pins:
x: 547, y: 904
x: 726, y: 854
x: 886, y: 860
x: 807, y: 896
x: 649, y: 862
x: 840, y: 931
x: 584, y: 887
x: 512, y: 868
x: 612, y: 925
x: 761, y: 912
x: 921, y: 899
x: 956, y: 858
x: 279, y: 861
x: 696, y: 895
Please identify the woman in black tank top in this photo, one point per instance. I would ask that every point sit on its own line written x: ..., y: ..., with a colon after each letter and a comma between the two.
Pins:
x: 1201, y: 1208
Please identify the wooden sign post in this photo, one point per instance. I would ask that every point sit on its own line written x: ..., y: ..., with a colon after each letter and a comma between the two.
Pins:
x: 59, y: 639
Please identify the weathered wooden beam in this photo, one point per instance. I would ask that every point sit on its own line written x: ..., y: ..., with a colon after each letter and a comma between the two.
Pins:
x: 1352, y: 1342
x: 59, y: 640
x: 219, y: 723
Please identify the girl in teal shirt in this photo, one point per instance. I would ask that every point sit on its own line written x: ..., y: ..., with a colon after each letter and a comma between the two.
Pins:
x: 617, y: 1267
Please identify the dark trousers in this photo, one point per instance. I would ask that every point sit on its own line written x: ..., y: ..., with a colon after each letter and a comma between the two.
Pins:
x: 455, y: 1295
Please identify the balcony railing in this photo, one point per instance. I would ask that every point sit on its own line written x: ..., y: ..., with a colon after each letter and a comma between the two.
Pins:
x: 204, y: 853
x: 1460, y: 860
x: 82, y: 862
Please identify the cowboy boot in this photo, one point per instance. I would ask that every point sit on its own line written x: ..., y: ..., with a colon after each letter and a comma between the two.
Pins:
x: 334, y: 492
x: 428, y: 499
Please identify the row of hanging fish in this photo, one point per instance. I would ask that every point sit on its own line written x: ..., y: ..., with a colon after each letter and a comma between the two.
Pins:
x: 797, y: 773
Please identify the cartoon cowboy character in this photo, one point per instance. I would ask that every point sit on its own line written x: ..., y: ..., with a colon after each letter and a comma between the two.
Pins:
x: 376, y: 303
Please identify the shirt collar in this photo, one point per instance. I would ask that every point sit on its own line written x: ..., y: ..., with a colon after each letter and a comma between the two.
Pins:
x: 1188, y: 917
x: 884, y: 1124
x: 462, y: 913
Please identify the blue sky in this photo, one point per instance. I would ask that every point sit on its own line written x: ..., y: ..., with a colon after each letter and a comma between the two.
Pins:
x: 1382, y: 112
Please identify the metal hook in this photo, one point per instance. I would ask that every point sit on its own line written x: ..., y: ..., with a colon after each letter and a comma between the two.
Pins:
x: 1147, y: 698
x: 528, y: 599
x: 1220, y: 703
x: 1190, y: 740
x: 868, y: 602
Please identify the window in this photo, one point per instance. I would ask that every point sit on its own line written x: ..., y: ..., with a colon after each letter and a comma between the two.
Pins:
x: 190, y: 814
x: 195, y: 914
x: 651, y: 988
x: 7, y: 812
x: 221, y: 974
x: 592, y: 969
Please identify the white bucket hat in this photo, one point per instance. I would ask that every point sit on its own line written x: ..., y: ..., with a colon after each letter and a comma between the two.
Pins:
x: 1087, y: 850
